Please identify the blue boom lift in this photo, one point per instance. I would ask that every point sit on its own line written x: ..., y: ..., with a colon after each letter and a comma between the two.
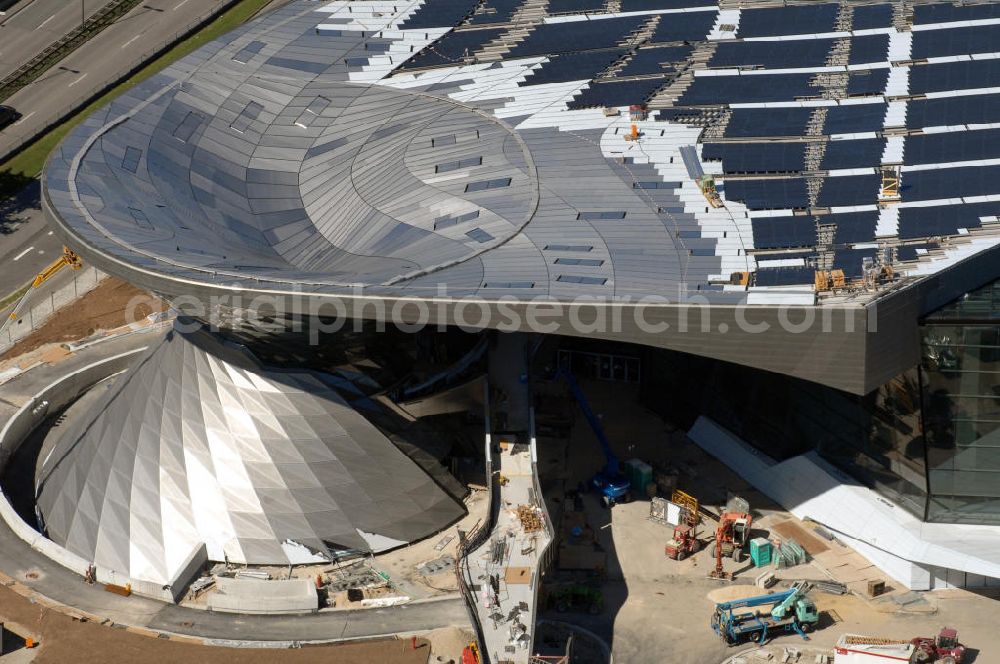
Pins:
x: 792, y: 612
x: 613, y: 486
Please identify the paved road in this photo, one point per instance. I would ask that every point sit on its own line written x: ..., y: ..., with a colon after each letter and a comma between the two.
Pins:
x: 31, y: 25
x: 104, y: 59
x: 26, y: 243
x: 17, y: 559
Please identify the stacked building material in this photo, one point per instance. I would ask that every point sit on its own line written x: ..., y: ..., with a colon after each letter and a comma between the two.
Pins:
x: 530, y: 518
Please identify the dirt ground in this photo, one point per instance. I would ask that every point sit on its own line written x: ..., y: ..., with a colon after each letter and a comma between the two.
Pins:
x: 104, y: 308
x: 657, y: 611
x: 63, y: 639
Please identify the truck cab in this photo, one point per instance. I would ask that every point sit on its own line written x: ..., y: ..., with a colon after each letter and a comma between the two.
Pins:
x: 943, y: 648
x: 806, y: 613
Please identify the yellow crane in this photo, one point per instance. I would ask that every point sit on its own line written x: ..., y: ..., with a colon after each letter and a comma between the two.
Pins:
x: 69, y: 258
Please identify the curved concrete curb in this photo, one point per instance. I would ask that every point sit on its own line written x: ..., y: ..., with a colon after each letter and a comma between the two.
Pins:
x: 53, y: 397
x: 57, y: 395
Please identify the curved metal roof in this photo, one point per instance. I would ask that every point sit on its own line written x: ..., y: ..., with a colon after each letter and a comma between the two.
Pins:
x: 198, y: 444
x: 409, y: 149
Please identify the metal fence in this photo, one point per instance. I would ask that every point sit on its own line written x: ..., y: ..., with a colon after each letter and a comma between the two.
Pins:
x: 38, y: 308
x: 54, y: 117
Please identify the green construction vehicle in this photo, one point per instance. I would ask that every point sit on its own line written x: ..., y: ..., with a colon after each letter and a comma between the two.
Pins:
x: 577, y: 597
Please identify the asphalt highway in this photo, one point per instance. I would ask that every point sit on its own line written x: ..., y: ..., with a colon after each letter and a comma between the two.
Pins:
x: 27, y: 245
x: 104, y: 59
x: 31, y: 25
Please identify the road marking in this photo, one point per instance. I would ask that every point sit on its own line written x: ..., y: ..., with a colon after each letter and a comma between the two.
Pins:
x: 23, y: 253
x: 25, y: 118
x: 76, y: 81
x: 130, y: 41
x: 45, y: 21
x: 182, y: 3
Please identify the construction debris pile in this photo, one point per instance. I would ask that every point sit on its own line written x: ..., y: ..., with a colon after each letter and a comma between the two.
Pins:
x: 530, y: 518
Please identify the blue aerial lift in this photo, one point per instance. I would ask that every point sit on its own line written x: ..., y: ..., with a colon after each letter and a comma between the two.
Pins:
x: 613, y: 486
x: 792, y: 612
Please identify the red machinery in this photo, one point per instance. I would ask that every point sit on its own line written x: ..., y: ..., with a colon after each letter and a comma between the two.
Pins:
x: 470, y: 654
x: 942, y: 649
x: 731, y: 538
x: 683, y: 543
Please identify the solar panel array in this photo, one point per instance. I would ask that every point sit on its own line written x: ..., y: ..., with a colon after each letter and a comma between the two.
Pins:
x: 552, y: 38
x: 791, y: 20
x: 794, y: 109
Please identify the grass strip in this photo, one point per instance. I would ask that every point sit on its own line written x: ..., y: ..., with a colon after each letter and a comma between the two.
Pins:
x: 28, y: 163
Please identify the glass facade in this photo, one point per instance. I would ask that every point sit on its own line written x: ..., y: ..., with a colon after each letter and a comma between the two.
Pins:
x: 876, y: 438
x: 929, y: 439
x: 960, y: 369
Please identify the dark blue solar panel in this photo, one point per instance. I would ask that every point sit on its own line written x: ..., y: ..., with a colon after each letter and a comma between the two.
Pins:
x: 770, y: 194
x: 439, y: 14
x: 869, y: 48
x: 854, y: 118
x: 656, y: 60
x: 954, y: 76
x: 451, y: 48
x: 951, y: 183
x: 851, y: 261
x: 495, y: 11
x: 944, y: 13
x: 687, y: 26
x: 909, y: 252
x: 757, y: 157
x: 648, y: 5
x: 956, y: 41
x: 869, y: 82
x: 796, y: 20
x: 783, y: 232
x: 756, y: 88
x: 852, y: 226
x: 773, y: 55
x: 942, y: 220
x: 848, y: 190
x: 953, y: 146
x: 748, y: 122
x: 853, y: 154
x: 617, y: 93
x: 573, y: 66
x: 872, y: 16
x: 577, y: 36
x: 785, y: 276
x: 974, y: 109
x: 575, y: 6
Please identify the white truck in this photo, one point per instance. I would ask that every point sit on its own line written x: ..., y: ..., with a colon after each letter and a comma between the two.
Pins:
x: 857, y: 649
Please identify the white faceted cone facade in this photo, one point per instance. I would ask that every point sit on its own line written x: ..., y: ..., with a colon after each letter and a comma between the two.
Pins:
x: 199, y: 444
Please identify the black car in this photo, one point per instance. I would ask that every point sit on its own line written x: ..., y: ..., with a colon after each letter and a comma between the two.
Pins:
x: 8, y: 116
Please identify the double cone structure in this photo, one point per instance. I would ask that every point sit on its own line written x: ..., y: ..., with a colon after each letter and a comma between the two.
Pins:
x: 198, y: 443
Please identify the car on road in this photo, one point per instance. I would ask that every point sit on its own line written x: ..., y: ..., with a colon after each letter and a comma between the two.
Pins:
x: 8, y: 116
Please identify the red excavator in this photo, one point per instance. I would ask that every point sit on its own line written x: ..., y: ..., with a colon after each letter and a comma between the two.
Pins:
x: 731, y: 539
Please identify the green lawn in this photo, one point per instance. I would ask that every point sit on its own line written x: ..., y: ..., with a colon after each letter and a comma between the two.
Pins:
x: 28, y: 164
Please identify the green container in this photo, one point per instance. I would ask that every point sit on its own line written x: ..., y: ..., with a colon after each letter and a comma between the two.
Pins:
x: 760, y: 551
x: 639, y: 474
